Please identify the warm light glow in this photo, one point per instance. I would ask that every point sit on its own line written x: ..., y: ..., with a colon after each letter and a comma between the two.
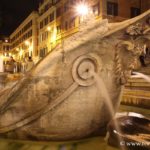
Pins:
x: 17, y: 49
x: 48, y: 28
x: 2, y: 57
x: 54, y: 35
x: 30, y: 50
x: 21, y: 53
x: 6, y: 41
x: 27, y: 43
x: 82, y: 9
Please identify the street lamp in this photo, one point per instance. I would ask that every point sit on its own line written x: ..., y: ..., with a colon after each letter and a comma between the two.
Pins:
x: 6, y: 41
x: 48, y: 28
x: 17, y: 49
x: 27, y: 43
x: 82, y: 9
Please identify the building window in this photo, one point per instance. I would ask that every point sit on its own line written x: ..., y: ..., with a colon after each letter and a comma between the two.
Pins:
x: 72, y: 2
x: 66, y: 25
x: 66, y: 6
x: 40, y: 38
x: 112, y: 8
x: 58, y: 29
x: 43, y: 52
x: 135, y: 12
x: 46, y: 8
x: 51, y: 16
x: 41, y: 24
x: 46, y: 35
x: 46, y: 21
x: 72, y: 22
x: 58, y: 12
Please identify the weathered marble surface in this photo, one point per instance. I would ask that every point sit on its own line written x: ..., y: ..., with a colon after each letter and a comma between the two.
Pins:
x: 60, y: 98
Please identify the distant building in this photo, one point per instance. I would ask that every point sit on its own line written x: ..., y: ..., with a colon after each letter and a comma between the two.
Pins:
x: 24, y: 38
x: 55, y: 20
x: 5, y: 49
x: 118, y: 10
x: 58, y: 19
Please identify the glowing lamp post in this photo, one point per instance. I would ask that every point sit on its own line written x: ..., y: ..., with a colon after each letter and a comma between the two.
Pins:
x: 27, y: 43
x: 82, y: 9
x: 49, y: 29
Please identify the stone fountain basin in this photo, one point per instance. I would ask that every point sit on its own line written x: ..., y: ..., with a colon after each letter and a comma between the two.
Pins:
x: 75, y: 90
x: 132, y: 128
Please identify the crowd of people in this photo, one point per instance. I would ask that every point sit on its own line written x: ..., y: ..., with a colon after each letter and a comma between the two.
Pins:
x: 13, y: 66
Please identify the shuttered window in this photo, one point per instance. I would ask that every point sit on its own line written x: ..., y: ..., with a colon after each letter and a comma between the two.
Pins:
x: 112, y: 8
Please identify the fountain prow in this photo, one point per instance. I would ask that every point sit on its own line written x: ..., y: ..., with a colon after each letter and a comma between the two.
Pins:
x: 59, y: 99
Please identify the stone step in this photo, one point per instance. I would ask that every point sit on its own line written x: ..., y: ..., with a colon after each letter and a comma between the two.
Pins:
x: 140, y: 93
x: 136, y: 98
x: 136, y: 86
x: 137, y: 83
x: 137, y: 79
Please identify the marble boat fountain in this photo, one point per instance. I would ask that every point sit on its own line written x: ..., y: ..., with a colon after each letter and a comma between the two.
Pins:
x: 60, y: 98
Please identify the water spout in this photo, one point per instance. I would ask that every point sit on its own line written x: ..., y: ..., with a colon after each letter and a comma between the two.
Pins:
x: 141, y: 75
x: 101, y: 86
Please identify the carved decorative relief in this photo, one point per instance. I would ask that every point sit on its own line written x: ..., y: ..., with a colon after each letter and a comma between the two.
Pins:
x: 83, y: 69
x: 138, y: 31
x: 139, y: 28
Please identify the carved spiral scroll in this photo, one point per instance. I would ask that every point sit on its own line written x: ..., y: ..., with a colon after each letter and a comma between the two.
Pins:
x: 83, y: 70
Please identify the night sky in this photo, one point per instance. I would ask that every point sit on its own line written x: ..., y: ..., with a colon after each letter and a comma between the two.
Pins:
x: 13, y: 12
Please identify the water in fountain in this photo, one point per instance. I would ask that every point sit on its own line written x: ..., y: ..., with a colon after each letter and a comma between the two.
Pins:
x: 101, y: 86
x: 141, y: 75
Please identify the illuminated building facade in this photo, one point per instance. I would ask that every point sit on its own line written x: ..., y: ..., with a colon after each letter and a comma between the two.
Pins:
x: 5, y: 48
x: 59, y: 19
x: 55, y: 20
x: 24, y: 38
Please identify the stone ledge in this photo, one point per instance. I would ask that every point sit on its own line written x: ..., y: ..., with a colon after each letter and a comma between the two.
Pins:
x: 137, y: 93
x: 134, y: 100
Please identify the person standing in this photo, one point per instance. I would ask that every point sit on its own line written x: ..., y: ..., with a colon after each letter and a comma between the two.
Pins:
x: 23, y: 66
x: 11, y: 65
x: 30, y: 64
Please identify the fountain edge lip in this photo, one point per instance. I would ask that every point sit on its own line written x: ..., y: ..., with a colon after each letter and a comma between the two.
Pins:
x: 130, y: 114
